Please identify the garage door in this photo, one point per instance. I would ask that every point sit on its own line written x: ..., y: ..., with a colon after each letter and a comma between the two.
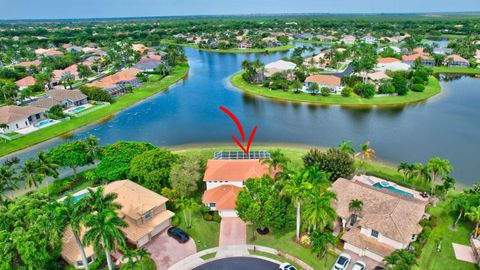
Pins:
x: 160, y: 228
x: 228, y: 213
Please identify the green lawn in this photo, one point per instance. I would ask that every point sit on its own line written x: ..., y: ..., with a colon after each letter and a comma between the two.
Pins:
x: 275, y: 257
x: 462, y: 70
x: 431, y: 89
x: 316, y: 42
x: 430, y: 259
x: 146, y: 90
x: 205, y: 233
x: 234, y: 50
x: 286, y: 244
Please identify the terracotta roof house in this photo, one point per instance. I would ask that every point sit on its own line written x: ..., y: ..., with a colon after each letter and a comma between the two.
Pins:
x: 388, y: 220
x: 224, y: 180
x: 387, y: 60
x: 244, y: 44
x: 29, y: 63
x: 349, y: 39
x: 116, y: 84
x: 53, y: 53
x: 25, y: 82
x: 332, y: 82
x: 72, y: 69
x: 68, y: 98
x: 143, y: 210
x: 149, y: 62
x: 139, y: 48
x: 19, y: 117
x: 410, y: 59
x: 455, y: 60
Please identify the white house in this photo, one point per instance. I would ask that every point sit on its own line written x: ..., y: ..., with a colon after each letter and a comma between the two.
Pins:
x: 279, y: 66
x: 390, y: 63
x: 389, y: 218
x: 224, y: 180
x: 18, y: 117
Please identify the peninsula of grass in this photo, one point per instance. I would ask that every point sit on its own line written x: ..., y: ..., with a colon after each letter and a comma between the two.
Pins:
x: 457, y: 70
x: 431, y: 89
x: 148, y: 89
x: 235, y: 50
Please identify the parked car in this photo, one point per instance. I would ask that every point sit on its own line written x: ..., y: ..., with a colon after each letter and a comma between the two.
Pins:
x: 286, y: 266
x: 178, y: 234
x: 342, y: 262
x: 359, y: 265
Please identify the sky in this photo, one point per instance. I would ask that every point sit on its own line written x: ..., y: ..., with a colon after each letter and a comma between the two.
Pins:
x: 58, y: 9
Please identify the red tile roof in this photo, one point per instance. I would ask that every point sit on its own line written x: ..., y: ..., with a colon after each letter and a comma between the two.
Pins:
x: 387, y: 60
x: 414, y: 57
x: 235, y: 170
x: 223, y: 196
x: 324, y: 79
x: 27, y: 81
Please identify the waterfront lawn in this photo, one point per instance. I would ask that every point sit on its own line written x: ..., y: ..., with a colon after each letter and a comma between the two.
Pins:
x: 205, y: 233
x: 459, y: 70
x: 430, y: 259
x: 285, y: 243
x: 146, y: 90
x: 431, y: 89
x: 233, y: 50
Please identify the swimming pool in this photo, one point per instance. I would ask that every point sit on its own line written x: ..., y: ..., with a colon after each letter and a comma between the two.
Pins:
x: 79, y: 197
x: 77, y: 109
x: 393, y: 189
x: 45, y: 122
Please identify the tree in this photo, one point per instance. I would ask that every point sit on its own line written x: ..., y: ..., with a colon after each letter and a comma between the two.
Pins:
x: 83, y: 71
x: 73, y: 214
x: 400, y: 83
x: 438, y: 167
x: 277, y: 161
x: 334, y: 161
x: 461, y: 203
x: 355, y: 206
x: 185, y: 176
x: 325, y: 91
x: 407, y: 169
x: 314, y: 87
x: 8, y: 181
x: 319, y: 212
x: 366, y: 153
x: 473, y: 214
x: 31, y: 174
x: 347, y: 147
x: 152, y: 168
x: 71, y: 154
x: 297, y: 85
x: 67, y: 79
x: 92, y: 150
x: 187, y: 205
x: 364, y: 90
x: 400, y: 259
x: 321, y: 241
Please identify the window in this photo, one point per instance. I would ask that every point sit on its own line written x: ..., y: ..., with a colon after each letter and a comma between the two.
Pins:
x: 37, y: 116
x: 148, y: 215
x: 374, y: 233
x: 16, y: 125
x: 414, y: 237
x: 212, y: 205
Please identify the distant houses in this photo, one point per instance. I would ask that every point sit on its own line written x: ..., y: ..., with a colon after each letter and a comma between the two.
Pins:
x: 455, y: 60
x: 64, y: 98
x: 119, y: 83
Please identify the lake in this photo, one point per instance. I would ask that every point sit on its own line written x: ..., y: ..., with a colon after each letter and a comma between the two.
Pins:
x: 447, y: 125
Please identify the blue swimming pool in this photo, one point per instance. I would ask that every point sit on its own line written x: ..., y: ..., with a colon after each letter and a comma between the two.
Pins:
x: 77, y: 109
x: 79, y: 197
x: 393, y: 189
x: 45, y: 122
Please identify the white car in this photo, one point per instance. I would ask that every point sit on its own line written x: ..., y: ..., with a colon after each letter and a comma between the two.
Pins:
x: 286, y: 266
x: 342, y: 262
x: 359, y: 265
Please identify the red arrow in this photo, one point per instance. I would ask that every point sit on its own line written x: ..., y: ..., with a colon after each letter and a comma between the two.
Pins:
x: 240, y: 128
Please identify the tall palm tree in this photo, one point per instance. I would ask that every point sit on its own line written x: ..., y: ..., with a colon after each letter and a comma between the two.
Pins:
x: 92, y: 150
x: 321, y: 241
x: 46, y: 166
x: 104, y: 231
x: 67, y: 79
x: 474, y: 215
x: 421, y: 172
x: 438, y: 167
x: 276, y: 161
x: 319, y: 212
x: 295, y: 187
x: 355, y: 206
x: 98, y: 202
x: 31, y: 173
x: 347, y: 147
x: 407, y: 169
x: 73, y: 214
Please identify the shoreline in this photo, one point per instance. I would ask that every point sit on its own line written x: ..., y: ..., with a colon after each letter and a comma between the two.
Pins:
x: 54, y: 132
x: 432, y: 89
x: 283, y: 48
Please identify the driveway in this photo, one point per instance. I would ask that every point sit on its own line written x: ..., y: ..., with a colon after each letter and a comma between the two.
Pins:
x: 166, y: 251
x: 233, y: 231
x: 355, y: 257
x: 239, y: 263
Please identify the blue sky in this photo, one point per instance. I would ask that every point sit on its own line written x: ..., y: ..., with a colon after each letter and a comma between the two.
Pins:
x: 54, y: 9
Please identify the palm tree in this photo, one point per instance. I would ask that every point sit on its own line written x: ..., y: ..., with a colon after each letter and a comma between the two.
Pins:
x: 400, y: 259
x: 295, y: 187
x: 347, y: 147
x: 104, y: 231
x: 67, y: 79
x: 407, y: 169
x: 355, y: 206
x: 98, y: 202
x: 92, y: 150
x: 438, y: 167
x: 276, y: 161
x: 74, y: 213
x: 474, y: 215
x: 366, y: 153
x: 46, y: 166
x: 8, y: 180
x: 460, y: 203
x: 421, y: 172
x: 319, y: 212
x: 187, y: 206
x: 31, y: 173
x: 321, y: 241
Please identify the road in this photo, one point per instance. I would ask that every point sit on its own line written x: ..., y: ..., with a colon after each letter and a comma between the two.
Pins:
x: 239, y: 263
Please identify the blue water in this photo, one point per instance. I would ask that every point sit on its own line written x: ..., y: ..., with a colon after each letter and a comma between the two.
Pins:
x: 45, y: 122
x: 404, y: 193
x: 77, y: 109
x: 446, y: 125
x: 79, y: 197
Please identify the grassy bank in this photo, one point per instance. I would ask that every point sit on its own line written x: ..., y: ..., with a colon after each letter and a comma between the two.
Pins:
x: 431, y: 89
x: 462, y: 70
x: 235, y: 50
x: 205, y: 233
x: 146, y: 90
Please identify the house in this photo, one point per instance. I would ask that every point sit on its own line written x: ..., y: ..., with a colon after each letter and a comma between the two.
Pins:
x: 388, y: 220
x: 139, y: 48
x: 116, y: 84
x: 442, y: 51
x: 73, y: 69
x: 397, y: 39
x: 225, y: 178
x: 332, y: 82
x: 349, y: 39
x: 325, y: 38
x: 369, y: 39
x: 53, y: 53
x: 410, y: 59
x: 279, y: 66
x: 19, y: 117
x: 456, y: 61
x: 40, y: 51
x: 376, y: 77
x: 143, y: 210
x: 28, y: 64
x: 244, y: 44
x: 68, y: 98
x: 149, y: 62
x: 390, y: 63
x: 74, y: 49
x: 395, y: 49
x: 25, y: 82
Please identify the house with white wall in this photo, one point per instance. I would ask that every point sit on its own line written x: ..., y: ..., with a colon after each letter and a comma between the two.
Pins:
x: 19, y: 117
x: 388, y: 220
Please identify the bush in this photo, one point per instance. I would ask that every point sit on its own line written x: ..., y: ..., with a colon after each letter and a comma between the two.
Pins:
x: 96, y: 93
x: 207, y: 217
x: 417, y: 80
x: 56, y: 112
x: 386, y: 88
x: 325, y: 91
x: 364, y: 90
x: 216, y: 217
x: 175, y: 221
x: 335, y: 162
x: 145, y: 263
x: 347, y: 91
x: 305, y: 240
x: 418, y: 87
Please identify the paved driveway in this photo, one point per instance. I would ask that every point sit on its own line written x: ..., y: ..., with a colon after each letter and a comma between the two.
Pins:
x: 233, y: 231
x: 355, y: 257
x: 166, y: 251
x: 239, y: 263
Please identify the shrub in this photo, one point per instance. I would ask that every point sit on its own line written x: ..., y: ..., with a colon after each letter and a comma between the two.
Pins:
x: 364, y: 90
x: 216, y: 217
x: 305, y: 240
x: 347, y: 91
x: 386, y: 88
x: 56, y: 112
x: 417, y: 80
x: 96, y: 93
x: 207, y: 217
x: 175, y: 221
x: 335, y: 162
x: 418, y: 87
x: 325, y: 91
